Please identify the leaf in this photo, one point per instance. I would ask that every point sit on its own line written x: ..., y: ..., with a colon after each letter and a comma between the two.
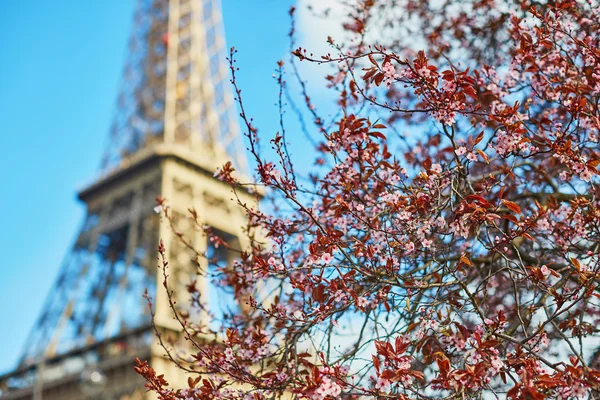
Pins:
x: 417, y: 374
x: 381, y: 347
x: 501, y: 193
x: 372, y: 59
x: 576, y: 264
x: 377, y: 135
x: 318, y: 293
x: 448, y: 75
x: 480, y: 199
x: 369, y: 74
x: 411, y: 327
x: 465, y: 260
x: 443, y: 363
x: 574, y: 360
x: 593, y: 163
x: 483, y: 155
x: 478, y: 138
x: 527, y: 236
x: 401, y: 346
x: 375, y: 362
x: 512, y: 206
x: 388, y: 374
x: 470, y: 91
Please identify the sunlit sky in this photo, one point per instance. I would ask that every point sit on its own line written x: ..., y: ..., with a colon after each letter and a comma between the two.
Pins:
x: 60, y: 67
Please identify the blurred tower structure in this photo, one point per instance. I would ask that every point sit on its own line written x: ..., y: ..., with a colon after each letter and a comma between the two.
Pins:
x: 174, y: 125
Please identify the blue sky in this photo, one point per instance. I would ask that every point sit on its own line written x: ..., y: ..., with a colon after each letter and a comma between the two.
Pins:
x: 60, y: 64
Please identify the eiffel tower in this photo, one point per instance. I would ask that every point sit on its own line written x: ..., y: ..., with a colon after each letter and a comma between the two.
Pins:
x: 174, y: 125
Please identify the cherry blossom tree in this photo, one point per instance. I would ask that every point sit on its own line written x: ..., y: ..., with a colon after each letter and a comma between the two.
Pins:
x: 446, y: 243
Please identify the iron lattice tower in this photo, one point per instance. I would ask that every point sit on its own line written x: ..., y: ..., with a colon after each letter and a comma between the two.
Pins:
x: 174, y: 125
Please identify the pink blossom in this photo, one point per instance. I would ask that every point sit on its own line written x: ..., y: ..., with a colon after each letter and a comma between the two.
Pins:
x: 382, y: 384
x: 326, y: 258
x: 496, y: 365
x: 586, y: 175
x: 545, y: 270
x: 362, y: 302
x: 460, y: 151
x: 327, y: 388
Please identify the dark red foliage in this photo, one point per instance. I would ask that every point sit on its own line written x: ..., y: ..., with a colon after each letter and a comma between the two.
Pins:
x: 447, y: 242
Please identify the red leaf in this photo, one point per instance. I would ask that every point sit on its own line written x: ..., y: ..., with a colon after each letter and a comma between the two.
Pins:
x: 372, y: 59
x: 511, y: 218
x: 318, y: 293
x: 478, y: 138
x: 417, y: 374
x: 465, y: 260
x: 377, y: 135
x: 388, y: 374
x: 470, y: 91
x: 512, y: 206
x: 400, y: 345
x: 375, y: 362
